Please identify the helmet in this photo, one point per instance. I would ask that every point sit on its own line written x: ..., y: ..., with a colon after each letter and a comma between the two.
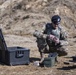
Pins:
x: 56, y: 19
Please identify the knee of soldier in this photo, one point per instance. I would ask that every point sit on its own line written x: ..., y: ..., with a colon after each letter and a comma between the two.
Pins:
x: 62, y: 52
x: 64, y: 43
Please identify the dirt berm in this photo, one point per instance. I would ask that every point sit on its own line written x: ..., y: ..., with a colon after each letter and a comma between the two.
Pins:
x: 20, y: 18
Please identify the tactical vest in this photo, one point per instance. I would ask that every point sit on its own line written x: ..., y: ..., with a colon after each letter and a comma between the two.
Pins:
x: 50, y: 30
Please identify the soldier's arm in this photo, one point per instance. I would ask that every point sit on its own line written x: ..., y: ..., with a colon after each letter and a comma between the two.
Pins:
x: 63, y: 34
x: 39, y: 34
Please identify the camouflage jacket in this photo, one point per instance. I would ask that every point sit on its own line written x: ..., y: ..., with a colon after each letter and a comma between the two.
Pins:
x: 42, y: 36
x: 58, y: 32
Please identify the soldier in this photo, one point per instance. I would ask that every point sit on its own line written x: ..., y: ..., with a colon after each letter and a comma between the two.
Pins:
x: 54, y: 38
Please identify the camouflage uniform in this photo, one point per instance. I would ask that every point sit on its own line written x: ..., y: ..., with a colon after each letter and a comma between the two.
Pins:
x: 41, y: 41
x: 59, y: 33
x: 47, y: 45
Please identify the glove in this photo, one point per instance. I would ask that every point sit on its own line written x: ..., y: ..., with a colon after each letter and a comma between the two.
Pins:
x: 54, y: 38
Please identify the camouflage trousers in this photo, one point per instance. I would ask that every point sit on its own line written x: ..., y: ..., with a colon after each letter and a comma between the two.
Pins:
x: 48, y: 48
x: 46, y: 45
x: 60, y: 50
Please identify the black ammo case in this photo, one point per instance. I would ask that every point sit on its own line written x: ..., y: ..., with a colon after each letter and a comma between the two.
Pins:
x: 13, y: 55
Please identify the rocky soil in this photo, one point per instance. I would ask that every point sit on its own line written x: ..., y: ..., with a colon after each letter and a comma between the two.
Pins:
x: 20, y: 18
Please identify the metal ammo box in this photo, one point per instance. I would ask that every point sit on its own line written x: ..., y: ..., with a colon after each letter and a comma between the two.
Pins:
x: 13, y: 55
x: 50, y: 60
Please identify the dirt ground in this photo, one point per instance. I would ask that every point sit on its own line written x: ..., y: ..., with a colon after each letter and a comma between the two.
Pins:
x: 60, y: 68
x: 20, y: 18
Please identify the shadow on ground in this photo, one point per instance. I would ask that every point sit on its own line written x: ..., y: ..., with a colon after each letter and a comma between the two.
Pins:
x: 67, y: 68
